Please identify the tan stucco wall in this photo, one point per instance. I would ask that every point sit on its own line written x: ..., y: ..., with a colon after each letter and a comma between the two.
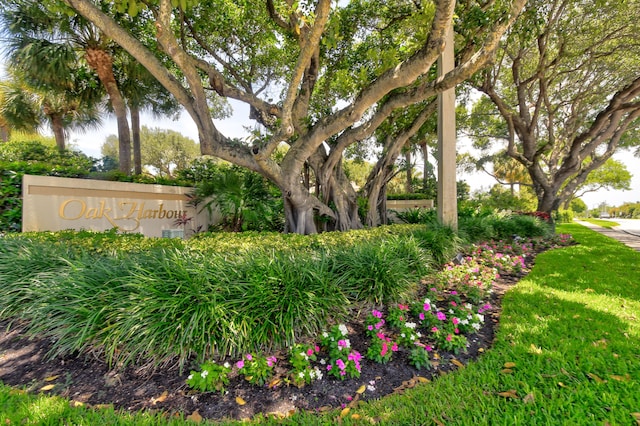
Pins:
x: 55, y: 204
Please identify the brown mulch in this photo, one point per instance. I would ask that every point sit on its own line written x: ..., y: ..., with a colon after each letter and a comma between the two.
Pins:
x: 86, y: 380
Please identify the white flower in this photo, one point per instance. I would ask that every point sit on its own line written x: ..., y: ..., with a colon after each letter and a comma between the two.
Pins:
x: 301, y: 374
x: 451, y: 311
x: 469, y: 306
x: 410, y: 324
x: 325, y: 334
x: 343, y: 329
x: 476, y: 326
x: 419, y: 334
x: 427, y: 301
x: 402, y: 335
x: 480, y: 317
x: 227, y: 365
x: 464, y: 322
x: 204, y: 374
x: 322, y: 361
x: 190, y: 377
x: 371, y: 388
x: 318, y: 373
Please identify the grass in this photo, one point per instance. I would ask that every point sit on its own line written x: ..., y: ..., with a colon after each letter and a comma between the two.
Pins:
x: 601, y: 222
x: 571, y: 328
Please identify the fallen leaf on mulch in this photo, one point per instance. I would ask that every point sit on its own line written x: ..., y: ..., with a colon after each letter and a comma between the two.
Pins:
x: 161, y: 398
x: 240, y: 401
x: 51, y: 378
x: 457, y: 363
x: 195, y: 417
x: 47, y: 388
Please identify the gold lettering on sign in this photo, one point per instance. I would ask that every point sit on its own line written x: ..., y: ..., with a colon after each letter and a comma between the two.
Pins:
x: 126, y: 211
x: 63, y: 209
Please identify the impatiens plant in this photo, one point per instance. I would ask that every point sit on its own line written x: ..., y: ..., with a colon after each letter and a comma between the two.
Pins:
x: 419, y: 356
x: 408, y: 335
x: 211, y: 377
x: 373, y: 323
x: 256, y: 369
x: 398, y: 315
x: 381, y: 348
x: 300, y: 357
x: 343, y: 361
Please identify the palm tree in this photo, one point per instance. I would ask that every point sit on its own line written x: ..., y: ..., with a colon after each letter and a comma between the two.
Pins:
x: 45, y: 44
x: 25, y: 107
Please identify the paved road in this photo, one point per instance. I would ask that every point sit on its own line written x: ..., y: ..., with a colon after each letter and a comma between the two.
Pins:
x: 627, y: 233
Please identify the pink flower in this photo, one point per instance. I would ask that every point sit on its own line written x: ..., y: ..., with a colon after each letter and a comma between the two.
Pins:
x: 380, y: 336
x: 329, y: 367
x: 421, y: 316
x: 376, y: 314
x: 317, y: 348
x: 249, y: 357
x: 455, y: 321
x: 394, y: 347
x: 434, y: 329
x: 309, y: 352
x: 383, y: 352
x: 449, y: 337
x: 271, y: 360
x: 454, y: 293
x: 403, y: 307
x: 240, y: 364
x: 427, y: 307
x: 340, y: 364
x: 370, y: 327
x: 441, y: 316
x: 454, y: 304
x: 457, y: 331
x: 428, y: 348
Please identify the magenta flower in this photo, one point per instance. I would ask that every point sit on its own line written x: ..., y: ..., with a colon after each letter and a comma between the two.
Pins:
x: 455, y: 321
x: 240, y: 364
x: 340, y: 364
x: 376, y: 314
x: 428, y: 348
x: 249, y: 357
x: 421, y: 316
x: 383, y: 352
x: 394, y: 347
x: 427, y: 307
x: 441, y: 316
x: 309, y: 352
x: 370, y: 327
x: 434, y: 329
x: 271, y: 361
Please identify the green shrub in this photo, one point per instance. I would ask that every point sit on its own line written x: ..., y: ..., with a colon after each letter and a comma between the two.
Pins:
x: 563, y: 216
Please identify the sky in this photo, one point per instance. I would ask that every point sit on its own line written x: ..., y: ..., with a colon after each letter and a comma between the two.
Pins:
x: 90, y: 144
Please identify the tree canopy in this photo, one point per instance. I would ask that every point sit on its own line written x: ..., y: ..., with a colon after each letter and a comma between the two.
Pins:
x: 319, y: 76
x: 566, y: 88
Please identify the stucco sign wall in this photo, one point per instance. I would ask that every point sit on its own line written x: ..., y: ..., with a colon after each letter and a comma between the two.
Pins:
x: 55, y: 204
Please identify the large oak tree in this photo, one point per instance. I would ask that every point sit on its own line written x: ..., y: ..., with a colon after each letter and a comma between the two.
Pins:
x: 566, y: 85
x: 317, y: 76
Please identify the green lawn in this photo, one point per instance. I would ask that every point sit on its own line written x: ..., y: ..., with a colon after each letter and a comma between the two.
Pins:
x: 571, y: 330
x: 604, y: 223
